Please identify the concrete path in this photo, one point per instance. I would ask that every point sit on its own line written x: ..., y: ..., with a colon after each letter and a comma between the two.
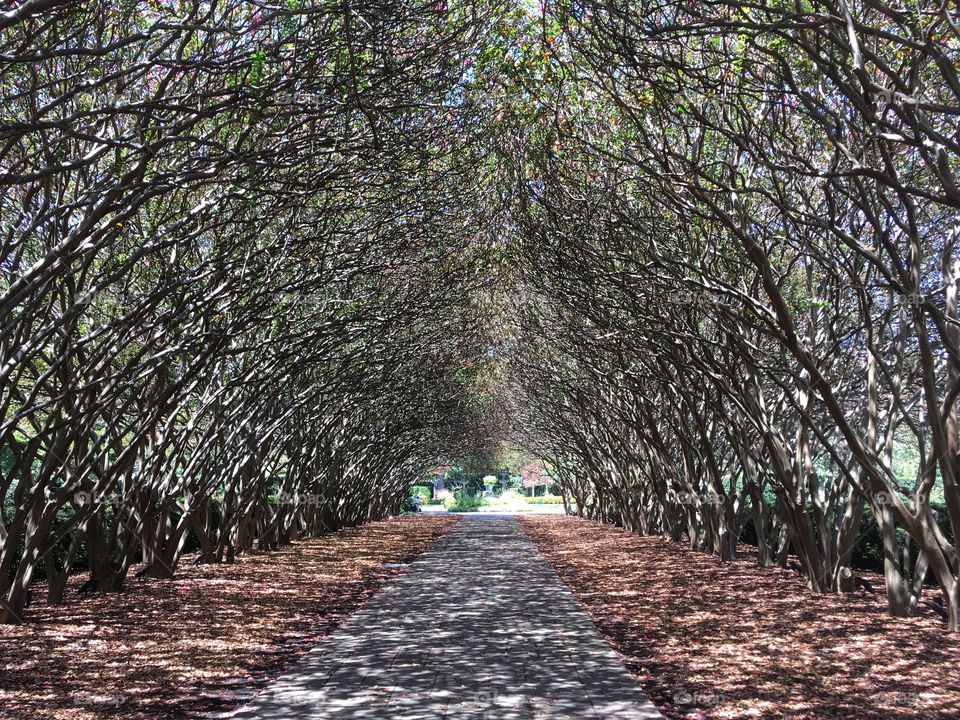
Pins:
x: 479, y: 626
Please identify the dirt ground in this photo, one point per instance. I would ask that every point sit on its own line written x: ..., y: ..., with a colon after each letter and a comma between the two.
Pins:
x: 733, y: 640
x: 204, y: 642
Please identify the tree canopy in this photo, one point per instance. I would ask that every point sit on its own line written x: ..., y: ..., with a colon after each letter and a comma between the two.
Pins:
x: 265, y: 264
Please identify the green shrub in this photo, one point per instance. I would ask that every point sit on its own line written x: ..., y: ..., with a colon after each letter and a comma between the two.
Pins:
x: 464, y: 504
x: 868, y: 548
x: 424, y: 492
x: 546, y: 500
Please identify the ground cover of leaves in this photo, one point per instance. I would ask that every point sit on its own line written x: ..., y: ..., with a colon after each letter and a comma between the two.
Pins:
x: 731, y: 640
x: 204, y: 642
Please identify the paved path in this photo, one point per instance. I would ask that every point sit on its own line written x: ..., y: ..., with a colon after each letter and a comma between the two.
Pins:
x: 479, y: 626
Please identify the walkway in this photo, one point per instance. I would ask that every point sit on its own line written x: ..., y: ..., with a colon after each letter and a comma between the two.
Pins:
x: 479, y: 626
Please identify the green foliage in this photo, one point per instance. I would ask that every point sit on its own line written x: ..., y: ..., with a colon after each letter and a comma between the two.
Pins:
x: 424, y: 492
x: 545, y: 500
x: 463, y: 504
x: 258, y: 62
x: 868, y: 550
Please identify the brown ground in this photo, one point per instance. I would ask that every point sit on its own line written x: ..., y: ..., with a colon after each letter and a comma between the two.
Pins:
x: 732, y: 640
x: 203, y: 642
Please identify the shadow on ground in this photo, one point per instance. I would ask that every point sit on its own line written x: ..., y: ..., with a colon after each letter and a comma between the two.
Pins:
x: 204, y: 642
x: 732, y: 640
x: 479, y: 626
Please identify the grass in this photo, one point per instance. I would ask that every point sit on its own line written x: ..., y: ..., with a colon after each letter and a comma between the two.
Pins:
x: 505, y: 503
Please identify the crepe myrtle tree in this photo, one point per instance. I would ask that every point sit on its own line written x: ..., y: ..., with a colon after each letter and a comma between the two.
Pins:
x: 738, y: 238
x: 263, y: 265
x: 226, y: 254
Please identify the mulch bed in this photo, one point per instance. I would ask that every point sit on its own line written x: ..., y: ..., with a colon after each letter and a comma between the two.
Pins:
x: 204, y: 642
x: 731, y: 640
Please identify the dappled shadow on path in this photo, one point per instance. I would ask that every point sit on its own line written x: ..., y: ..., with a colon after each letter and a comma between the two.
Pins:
x: 204, y: 642
x: 732, y: 640
x: 480, y: 626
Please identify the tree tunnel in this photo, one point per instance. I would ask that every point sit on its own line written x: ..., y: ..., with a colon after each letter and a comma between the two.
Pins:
x: 266, y: 264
